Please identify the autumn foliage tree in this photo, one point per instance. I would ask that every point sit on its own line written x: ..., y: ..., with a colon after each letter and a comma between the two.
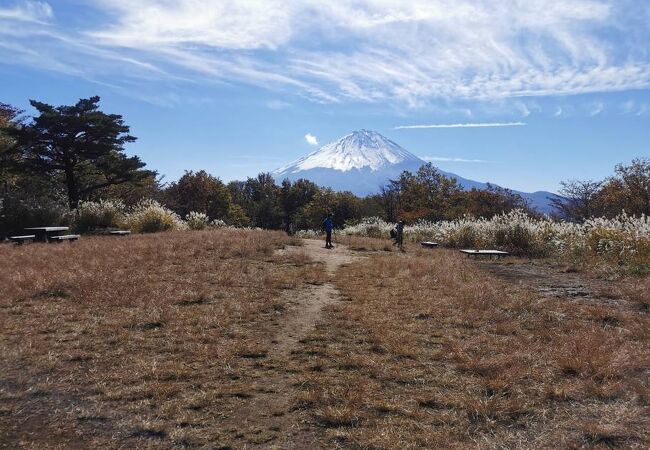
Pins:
x: 627, y: 190
x: 487, y: 202
x: 430, y: 195
x: 293, y: 198
x: 200, y: 192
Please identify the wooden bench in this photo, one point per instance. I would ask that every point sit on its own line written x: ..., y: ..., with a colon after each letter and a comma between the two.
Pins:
x: 490, y: 253
x: 22, y: 239
x: 429, y: 244
x: 66, y: 237
x: 119, y: 233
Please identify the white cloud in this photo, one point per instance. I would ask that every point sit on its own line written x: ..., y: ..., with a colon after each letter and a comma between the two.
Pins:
x: 632, y: 107
x: 596, y: 108
x: 558, y: 112
x: 523, y: 109
x: 311, y: 139
x: 358, y: 50
x: 462, y: 125
x: 277, y: 105
x: 225, y: 24
x: 28, y: 11
x: 449, y: 159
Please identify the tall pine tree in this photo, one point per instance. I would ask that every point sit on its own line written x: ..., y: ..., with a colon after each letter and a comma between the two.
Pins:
x: 80, y: 143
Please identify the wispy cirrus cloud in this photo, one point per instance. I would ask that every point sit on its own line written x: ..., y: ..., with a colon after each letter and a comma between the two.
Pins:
x: 596, y: 108
x: 462, y: 125
x: 354, y: 50
x: 634, y: 108
x: 277, y: 105
x: 28, y: 11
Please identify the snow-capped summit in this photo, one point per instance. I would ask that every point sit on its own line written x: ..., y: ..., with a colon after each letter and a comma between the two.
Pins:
x: 364, y: 161
x: 362, y: 149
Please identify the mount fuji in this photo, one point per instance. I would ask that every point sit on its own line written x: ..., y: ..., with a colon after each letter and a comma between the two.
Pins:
x: 363, y: 161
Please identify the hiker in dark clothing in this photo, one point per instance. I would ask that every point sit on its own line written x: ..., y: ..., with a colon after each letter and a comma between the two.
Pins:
x: 399, y: 234
x: 328, y: 224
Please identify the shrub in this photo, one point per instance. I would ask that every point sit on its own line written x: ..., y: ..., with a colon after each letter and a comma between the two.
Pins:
x: 16, y: 214
x: 464, y: 237
x: 197, y: 220
x: 149, y: 216
x: 218, y: 223
x: 99, y: 215
x: 370, y: 227
x: 518, y: 240
x: 623, y: 241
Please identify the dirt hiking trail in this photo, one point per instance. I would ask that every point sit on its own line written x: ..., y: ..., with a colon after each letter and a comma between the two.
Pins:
x: 267, y: 419
x: 310, y: 301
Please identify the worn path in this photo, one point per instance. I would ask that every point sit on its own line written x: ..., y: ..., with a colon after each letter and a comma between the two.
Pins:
x: 267, y: 419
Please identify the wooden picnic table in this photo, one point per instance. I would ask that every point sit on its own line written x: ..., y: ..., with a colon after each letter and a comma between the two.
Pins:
x: 43, y: 234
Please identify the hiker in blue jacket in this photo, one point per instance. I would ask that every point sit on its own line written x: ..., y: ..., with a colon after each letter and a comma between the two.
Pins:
x: 328, y: 224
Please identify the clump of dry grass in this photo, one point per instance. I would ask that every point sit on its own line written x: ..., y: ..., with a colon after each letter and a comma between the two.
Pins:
x: 145, y: 341
x: 366, y: 244
x: 637, y: 292
x: 429, y: 351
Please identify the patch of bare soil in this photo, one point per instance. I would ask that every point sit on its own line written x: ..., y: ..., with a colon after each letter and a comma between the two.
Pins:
x: 552, y: 281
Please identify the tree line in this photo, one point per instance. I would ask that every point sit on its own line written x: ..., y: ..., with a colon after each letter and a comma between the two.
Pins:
x: 627, y: 190
x: 64, y: 155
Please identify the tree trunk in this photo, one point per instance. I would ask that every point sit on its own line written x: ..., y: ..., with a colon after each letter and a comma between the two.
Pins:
x: 73, y: 188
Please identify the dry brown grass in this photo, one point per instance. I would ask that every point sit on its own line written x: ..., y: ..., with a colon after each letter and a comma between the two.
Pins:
x: 171, y: 340
x: 429, y: 351
x: 145, y: 341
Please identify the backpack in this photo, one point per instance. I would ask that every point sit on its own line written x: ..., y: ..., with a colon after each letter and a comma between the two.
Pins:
x: 393, y: 233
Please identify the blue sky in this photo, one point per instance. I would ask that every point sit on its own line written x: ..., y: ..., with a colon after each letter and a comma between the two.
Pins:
x: 561, y: 89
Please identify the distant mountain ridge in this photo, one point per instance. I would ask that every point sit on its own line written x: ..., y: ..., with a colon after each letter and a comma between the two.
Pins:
x: 364, y: 160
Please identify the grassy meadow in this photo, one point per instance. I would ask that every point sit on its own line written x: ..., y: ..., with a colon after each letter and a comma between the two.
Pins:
x: 430, y: 351
x: 138, y: 341
x: 187, y: 339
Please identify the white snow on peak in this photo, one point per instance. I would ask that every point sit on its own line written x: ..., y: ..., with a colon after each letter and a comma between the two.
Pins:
x: 358, y: 150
